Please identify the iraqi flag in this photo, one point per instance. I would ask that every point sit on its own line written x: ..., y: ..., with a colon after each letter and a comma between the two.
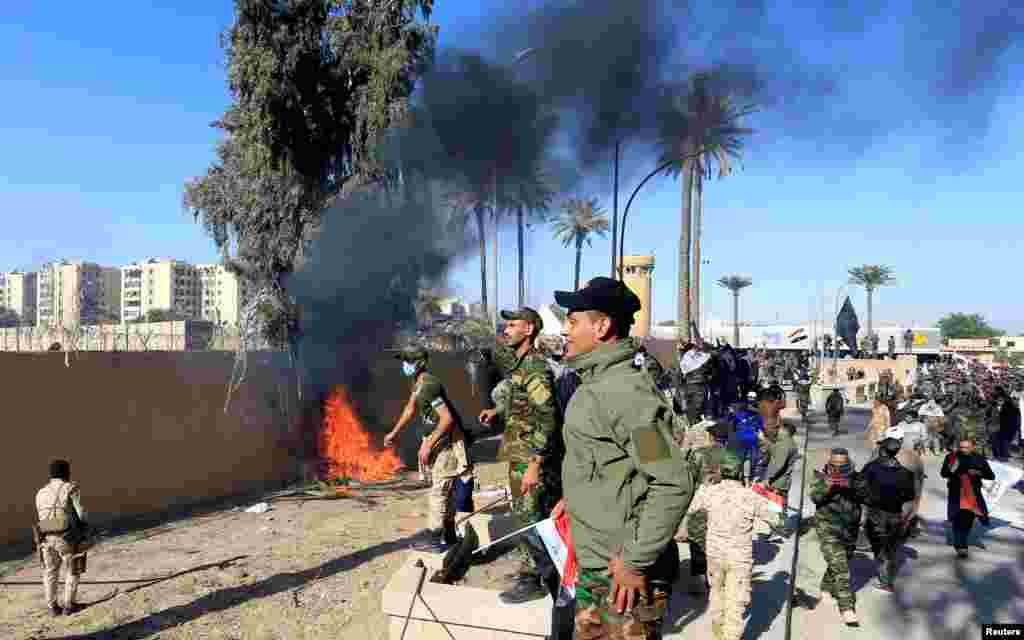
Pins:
x: 775, y: 501
x: 557, y: 540
x: 797, y: 335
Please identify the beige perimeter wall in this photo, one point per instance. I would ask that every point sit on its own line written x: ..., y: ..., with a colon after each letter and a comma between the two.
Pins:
x: 145, y: 432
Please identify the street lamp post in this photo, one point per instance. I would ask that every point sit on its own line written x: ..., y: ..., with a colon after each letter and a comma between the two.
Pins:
x: 835, y: 352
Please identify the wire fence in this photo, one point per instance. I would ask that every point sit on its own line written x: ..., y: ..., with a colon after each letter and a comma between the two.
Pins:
x: 143, y: 336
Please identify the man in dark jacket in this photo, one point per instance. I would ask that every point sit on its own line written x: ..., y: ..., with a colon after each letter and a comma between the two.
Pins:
x: 834, y: 407
x: 1009, y: 427
x: 964, y: 470
x: 888, y: 487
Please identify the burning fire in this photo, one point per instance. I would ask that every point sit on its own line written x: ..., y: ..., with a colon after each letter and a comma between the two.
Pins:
x: 345, y: 446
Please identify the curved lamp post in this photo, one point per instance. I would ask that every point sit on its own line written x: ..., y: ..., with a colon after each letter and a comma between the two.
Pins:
x: 625, y: 213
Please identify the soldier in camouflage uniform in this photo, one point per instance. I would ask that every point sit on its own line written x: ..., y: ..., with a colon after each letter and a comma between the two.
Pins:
x: 837, y: 494
x: 732, y: 512
x: 705, y: 461
x: 778, y: 452
x: 531, y: 422
x: 444, y: 451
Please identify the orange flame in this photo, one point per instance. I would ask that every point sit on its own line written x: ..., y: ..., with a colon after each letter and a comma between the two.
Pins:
x: 345, y: 447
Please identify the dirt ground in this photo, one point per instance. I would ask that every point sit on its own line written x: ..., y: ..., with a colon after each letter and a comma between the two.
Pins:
x: 307, y: 568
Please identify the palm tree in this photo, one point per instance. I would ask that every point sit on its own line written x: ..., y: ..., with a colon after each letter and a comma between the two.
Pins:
x: 735, y: 284
x: 701, y: 132
x: 580, y: 218
x: 474, y: 202
x: 871, y: 276
x: 530, y: 197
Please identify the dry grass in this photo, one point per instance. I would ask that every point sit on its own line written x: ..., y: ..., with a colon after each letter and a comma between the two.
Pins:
x: 311, y: 569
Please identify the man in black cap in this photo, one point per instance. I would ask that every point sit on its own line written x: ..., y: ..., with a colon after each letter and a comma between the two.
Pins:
x: 443, y: 452
x: 60, y: 532
x: 626, y: 486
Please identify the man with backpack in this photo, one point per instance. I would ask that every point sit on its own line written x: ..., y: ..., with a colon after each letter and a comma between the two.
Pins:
x: 59, y: 531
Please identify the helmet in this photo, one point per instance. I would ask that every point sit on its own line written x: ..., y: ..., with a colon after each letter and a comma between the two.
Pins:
x: 729, y: 464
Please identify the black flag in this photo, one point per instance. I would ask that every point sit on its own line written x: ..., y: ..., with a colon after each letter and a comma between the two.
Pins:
x: 847, y: 325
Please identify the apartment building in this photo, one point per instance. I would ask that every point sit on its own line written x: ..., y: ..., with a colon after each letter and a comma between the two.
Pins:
x: 223, y: 294
x: 160, y: 284
x: 18, y: 293
x: 75, y: 292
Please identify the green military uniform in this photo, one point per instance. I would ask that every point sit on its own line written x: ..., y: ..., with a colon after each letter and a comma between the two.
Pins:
x: 803, y: 390
x: 626, y: 487
x: 531, y: 420
x: 449, y: 456
x: 532, y: 423
x: 780, y: 454
x: 837, y: 524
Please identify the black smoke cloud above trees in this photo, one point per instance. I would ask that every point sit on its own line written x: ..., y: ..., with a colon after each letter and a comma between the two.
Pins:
x: 606, y: 69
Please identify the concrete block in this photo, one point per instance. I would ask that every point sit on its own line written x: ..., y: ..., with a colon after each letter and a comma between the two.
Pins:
x: 444, y: 612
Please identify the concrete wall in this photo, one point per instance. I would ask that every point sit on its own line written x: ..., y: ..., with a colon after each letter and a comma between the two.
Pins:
x: 145, y: 432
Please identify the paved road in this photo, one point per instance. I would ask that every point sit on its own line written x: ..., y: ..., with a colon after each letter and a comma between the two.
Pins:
x: 938, y: 596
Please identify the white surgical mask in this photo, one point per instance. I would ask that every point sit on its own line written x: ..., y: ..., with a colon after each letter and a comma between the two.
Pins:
x: 408, y: 369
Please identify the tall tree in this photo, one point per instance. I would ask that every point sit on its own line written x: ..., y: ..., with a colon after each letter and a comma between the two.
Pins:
x: 966, y: 325
x: 578, y: 221
x: 735, y: 284
x: 530, y: 197
x: 475, y: 203
x: 314, y: 85
x: 700, y: 132
x: 871, y: 276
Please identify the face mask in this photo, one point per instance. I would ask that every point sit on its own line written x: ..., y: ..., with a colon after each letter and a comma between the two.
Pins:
x: 842, y: 469
x: 408, y: 369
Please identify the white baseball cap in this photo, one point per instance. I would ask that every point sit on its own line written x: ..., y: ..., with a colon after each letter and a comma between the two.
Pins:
x: 894, y: 433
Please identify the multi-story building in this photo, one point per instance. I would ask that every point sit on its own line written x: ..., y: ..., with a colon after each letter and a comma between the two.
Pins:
x: 77, y: 293
x: 18, y: 293
x: 223, y: 294
x: 167, y: 285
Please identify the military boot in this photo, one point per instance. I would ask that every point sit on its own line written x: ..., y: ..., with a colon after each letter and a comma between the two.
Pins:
x: 436, y: 542
x: 526, y: 588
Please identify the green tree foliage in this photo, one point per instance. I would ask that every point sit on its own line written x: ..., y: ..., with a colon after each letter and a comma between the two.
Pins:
x: 700, y: 131
x: 967, y: 325
x: 578, y: 222
x: 159, y: 315
x: 315, y: 85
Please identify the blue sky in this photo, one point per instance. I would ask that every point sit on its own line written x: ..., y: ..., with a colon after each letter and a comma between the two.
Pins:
x: 106, y: 115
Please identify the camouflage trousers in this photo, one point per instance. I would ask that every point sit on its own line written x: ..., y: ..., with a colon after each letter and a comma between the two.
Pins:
x: 730, y: 595
x: 533, y: 507
x: 596, y: 618
x: 58, y: 552
x: 884, y: 533
x: 836, y: 581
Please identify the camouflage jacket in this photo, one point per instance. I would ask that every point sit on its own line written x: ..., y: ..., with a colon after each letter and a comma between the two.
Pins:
x: 532, y: 415
x: 838, y: 511
x: 733, y: 511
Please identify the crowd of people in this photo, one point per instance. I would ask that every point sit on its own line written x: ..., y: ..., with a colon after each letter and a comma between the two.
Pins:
x: 642, y: 459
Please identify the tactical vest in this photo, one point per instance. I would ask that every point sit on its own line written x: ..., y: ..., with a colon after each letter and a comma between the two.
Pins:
x: 62, y: 519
